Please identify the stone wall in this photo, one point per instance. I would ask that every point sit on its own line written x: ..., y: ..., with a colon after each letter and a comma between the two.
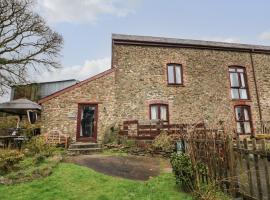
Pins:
x: 61, y: 111
x: 262, y: 73
x: 141, y: 78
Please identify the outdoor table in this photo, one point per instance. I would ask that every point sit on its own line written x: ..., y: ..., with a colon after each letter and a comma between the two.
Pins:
x: 7, y: 140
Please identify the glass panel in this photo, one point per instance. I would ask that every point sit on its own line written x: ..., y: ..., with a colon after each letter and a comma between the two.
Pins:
x: 178, y: 74
x: 246, y: 114
x: 247, y: 127
x: 154, y: 112
x: 240, y: 70
x: 234, y: 80
x: 243, y: 94
x: 170, y: 74
x: 163, y: 113
x: 243, y: 82
x: 232, y: 70
x: 238, y: 113
x: 87, y: 121
x: 234, y: 93
x: 238, y: 127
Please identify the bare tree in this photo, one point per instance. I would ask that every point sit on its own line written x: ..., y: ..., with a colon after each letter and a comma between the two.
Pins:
x: 26, y: 43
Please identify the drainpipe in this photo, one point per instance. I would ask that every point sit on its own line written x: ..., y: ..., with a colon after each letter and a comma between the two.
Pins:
x: 256, y: 87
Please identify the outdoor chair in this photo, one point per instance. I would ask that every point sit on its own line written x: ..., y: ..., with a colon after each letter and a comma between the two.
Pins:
x: 56, y: 137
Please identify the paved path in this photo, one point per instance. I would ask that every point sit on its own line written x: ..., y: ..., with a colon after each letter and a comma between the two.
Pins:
x: 130, y: 167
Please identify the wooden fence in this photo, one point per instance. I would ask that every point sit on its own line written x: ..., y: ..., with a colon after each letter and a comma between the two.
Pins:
x: 239, y: 167
x: 133, y: 129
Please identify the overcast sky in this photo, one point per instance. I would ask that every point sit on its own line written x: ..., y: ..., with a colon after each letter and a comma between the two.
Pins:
x: 87, y: 25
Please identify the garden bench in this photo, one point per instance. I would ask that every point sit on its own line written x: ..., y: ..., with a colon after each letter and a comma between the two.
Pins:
x: 56, y: 137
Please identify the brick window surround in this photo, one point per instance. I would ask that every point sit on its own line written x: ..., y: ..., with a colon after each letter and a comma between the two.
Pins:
x: 238, y: 83
x: 243, y: 119
x: 159, y: 112
x: 174, y: 74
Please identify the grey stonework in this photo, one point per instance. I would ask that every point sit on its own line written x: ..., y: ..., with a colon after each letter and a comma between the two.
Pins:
x: 139, y: 78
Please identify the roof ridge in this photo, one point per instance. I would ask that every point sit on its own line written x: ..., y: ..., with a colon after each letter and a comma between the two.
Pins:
x: 166, y: 41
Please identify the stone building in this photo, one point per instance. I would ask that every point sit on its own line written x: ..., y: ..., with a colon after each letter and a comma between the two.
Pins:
x: 173, y: 80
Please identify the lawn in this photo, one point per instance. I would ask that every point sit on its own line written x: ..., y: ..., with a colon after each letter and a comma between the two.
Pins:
x: 70, y: 181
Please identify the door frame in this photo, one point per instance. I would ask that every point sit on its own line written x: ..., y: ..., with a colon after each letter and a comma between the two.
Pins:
x: 87, y: 139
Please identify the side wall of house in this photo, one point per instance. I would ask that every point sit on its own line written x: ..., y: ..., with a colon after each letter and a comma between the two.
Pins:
x: 262, y: 73
x: 61, y: 112
x: 141, y: 79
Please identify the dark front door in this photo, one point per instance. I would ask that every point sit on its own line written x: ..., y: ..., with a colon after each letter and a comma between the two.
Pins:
x: 87, y: 122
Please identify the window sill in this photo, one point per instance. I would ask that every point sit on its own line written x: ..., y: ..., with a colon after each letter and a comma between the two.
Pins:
x: 241, y: 100
x: 175, y: 85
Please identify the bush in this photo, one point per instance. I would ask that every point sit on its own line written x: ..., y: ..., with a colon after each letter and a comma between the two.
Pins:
x: 110, y: 135
x: 209, y: 192
x: 163, y: 142
x: 9, y: 158
x: 38, y: 146
x: 183, y: 171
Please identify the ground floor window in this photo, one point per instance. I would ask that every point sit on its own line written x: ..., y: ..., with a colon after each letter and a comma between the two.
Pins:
x: 159, y: 112
x: 243, y: 120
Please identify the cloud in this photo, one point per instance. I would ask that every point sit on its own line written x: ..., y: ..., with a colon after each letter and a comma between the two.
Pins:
x: 264, y: 35
x: 79, y: 72
x: 222, y: 39
x: 84, y: 11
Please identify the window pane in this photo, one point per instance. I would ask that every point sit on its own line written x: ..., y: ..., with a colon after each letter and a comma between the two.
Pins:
x: 246, y: 114
x: 154, y: 112
x: 238, y: 127
x: 243, y: 93
x: 234, y: 80
x: 232, y: 69
x: 234, y: 93
x: 163, y: 113
x: 170, y: 74
x: 247, y: 127
x: 178, y: 75
x: 238, y: 113
x: 243, y: 82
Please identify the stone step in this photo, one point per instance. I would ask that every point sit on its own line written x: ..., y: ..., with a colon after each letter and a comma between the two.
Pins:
x: 84, y: 145
x: 77, y: 151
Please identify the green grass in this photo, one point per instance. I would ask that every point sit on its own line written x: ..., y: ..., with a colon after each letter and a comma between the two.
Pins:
x: 70, y: 181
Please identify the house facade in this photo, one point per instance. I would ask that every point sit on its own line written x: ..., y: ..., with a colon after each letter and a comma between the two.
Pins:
x: 173, y: 80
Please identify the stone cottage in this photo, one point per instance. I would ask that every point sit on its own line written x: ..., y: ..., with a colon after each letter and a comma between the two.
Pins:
x: 173, y: 80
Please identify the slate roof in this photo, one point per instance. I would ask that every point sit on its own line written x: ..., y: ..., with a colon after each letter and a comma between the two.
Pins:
x: 174, y: 42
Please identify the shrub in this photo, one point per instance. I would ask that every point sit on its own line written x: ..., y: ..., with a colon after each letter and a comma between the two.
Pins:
x: 38, y: 146
x: 110, y: 135
x: 8, y: 158
x: 8, y: 122
x: 209, y: 192
x: 183, y: 171
x: 163, y: 142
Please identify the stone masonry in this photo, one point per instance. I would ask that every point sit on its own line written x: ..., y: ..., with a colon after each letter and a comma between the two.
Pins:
x: 139, y: 77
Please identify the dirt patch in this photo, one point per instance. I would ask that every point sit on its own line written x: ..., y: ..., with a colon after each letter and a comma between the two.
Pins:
x: 130, y: 167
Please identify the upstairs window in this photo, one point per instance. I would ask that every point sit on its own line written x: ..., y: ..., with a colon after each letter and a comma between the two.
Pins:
x: 243, y: 120
x: 174, y: 74
x: 159, y: 112
x: 238, y: 80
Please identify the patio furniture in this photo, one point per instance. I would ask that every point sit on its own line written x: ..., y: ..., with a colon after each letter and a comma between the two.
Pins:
x: 8, y: 140
x: 56, y: 137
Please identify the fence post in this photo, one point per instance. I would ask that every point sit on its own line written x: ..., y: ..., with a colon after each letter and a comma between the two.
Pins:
x: 231, y: 160
x: 265, y: 161
x: 256, y: 159
x: 248, y: 168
